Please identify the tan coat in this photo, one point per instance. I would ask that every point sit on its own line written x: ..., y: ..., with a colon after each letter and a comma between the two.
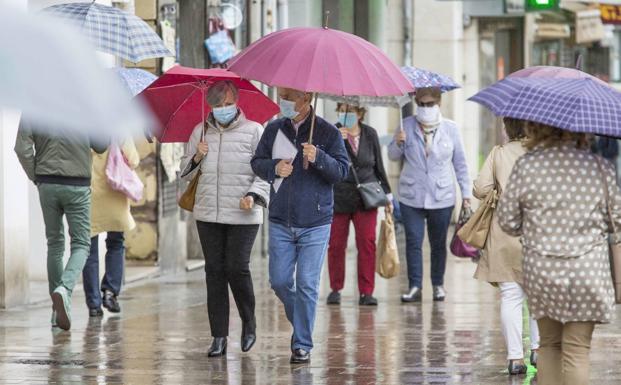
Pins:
x: 110, y: 209
x: 501, y: 259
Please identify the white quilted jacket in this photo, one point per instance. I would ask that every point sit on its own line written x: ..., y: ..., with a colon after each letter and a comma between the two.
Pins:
x: 226, y: 173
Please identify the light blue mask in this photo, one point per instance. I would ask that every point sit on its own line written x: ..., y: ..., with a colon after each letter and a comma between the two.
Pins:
x: 348, y: 119
x: 224, y: 115
x: 287, y: 109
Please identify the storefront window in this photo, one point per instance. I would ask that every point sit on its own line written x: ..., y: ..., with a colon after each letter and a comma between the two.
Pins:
x: 615, y: 57
x: 547, y: 53
x: 597, y: 62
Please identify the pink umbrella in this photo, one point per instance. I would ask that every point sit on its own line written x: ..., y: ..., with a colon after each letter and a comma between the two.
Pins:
x: 321, y: 60
x: 177, y: 99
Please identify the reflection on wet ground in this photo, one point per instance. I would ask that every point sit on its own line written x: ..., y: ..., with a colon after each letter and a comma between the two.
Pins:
x: 163, y: 334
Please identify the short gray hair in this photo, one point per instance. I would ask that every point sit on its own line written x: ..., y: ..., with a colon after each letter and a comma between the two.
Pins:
x: 217, y: 92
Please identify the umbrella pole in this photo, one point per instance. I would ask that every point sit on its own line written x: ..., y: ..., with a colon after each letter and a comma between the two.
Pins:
x: 312, y: 127
x: 203, y: 113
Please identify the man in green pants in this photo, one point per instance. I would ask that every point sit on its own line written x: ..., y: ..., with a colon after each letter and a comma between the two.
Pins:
x: 59, y: 163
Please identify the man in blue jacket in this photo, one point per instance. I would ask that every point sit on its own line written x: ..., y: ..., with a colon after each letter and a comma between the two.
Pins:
x: 300, y: 212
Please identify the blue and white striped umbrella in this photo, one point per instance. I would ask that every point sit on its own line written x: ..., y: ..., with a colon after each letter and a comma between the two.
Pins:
x: 112, y: 30
x: 579, y: 105
x: 135, y: 79
x: 421, y: 78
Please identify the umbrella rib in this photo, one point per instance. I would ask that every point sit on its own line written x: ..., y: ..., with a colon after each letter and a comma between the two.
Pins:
x: 179, y: 107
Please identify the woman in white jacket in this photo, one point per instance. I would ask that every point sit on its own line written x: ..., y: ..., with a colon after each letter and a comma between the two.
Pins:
x: 227, y: 209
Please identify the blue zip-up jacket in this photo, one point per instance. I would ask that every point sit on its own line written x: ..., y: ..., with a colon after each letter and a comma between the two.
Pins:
x: 305, y: 198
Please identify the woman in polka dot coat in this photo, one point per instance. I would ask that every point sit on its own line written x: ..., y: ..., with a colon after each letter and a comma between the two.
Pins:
x: 555, y: 201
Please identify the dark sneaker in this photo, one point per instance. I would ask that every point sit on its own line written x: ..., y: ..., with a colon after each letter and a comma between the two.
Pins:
x: 300, y: 356
x: 414, y: 295
x: 367, y: 300
x: 110, y: 302
x: 439, y: 293
x: 95, y: 312
x: 334, y: 298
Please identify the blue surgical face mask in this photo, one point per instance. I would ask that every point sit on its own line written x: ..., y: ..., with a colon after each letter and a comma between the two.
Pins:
x: 287, y: 108
x: 225, y: 115
x: 348, y: 119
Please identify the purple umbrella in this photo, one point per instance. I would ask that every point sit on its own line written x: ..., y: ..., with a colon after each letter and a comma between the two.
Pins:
x: 574, y: 103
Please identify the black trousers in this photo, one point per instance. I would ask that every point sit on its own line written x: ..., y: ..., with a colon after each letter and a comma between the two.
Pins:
x: 227, y: 256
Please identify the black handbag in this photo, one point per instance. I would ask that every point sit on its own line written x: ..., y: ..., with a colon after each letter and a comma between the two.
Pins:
x: 372, y: 193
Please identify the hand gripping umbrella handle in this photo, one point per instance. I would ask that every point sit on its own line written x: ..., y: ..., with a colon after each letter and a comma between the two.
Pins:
x: 312, y: 128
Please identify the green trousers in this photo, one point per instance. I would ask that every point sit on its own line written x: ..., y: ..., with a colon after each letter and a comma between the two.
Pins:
x: 73, y: 202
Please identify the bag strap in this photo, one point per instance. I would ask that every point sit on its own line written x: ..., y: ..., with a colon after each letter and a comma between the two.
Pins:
x: 494, y: 177
x: 351, y: 164
x: 353, y: 170
x: 606, y: 194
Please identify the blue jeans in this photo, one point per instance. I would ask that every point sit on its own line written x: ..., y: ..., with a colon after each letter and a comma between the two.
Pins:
x: 438, y: 221
x: 396, y: 212
x: 113, y: 278
x: 296, y: 259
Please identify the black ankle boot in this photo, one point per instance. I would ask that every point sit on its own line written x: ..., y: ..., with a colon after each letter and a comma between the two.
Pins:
x: 218, y: 347
x: 516, y: 368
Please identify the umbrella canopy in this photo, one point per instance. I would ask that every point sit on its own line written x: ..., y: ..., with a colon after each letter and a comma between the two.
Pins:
x: 370, y: 101
x: 71, y: 91
x: 135, y: 79
x: 112, y: 30
x: 582, y: 104
x: 321, y: 60
x: 553, y: 72
x: 421, y: 78
x: 177, y: 98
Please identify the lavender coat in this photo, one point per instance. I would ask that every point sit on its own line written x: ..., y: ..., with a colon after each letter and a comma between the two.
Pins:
x: 428, y: 182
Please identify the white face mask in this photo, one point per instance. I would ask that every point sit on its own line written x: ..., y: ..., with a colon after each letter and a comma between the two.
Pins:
x: 428, y: 115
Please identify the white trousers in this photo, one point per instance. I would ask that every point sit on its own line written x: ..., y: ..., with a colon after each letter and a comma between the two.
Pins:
x: 511, y: 304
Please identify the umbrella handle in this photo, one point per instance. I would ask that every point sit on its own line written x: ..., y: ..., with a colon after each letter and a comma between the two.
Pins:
x: 312, y: 128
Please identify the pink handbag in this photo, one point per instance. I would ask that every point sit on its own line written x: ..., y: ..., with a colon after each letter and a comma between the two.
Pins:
x: 458, y: 247
x: 121, y: 177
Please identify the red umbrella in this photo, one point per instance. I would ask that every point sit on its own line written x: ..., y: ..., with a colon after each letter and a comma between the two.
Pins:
x: 177, y: 99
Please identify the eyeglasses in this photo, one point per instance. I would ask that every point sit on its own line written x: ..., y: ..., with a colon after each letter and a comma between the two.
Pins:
x: 425, y: 104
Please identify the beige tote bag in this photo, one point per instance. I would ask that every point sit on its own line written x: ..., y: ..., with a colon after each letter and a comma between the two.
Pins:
x: 475, y: 231
x: 387, y: 262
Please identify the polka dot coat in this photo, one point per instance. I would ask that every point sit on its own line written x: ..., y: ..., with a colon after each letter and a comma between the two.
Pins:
x: 555, y: 201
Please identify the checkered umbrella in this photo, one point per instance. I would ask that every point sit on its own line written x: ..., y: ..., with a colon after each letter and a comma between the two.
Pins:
x: 112, y: 30
x: 421, y: 78
x: 574, y: 104
x: 135, y: 79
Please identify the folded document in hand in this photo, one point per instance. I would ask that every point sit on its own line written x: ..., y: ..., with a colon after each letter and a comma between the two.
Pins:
x: 282, y: 149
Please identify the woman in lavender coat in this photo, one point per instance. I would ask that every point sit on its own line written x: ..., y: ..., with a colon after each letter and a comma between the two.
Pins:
x: 433, y: 155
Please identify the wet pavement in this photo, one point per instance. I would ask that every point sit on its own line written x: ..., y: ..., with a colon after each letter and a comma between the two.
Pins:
x: 162, y: 337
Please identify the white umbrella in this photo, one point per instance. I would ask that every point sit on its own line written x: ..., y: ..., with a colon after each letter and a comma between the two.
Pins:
x: 373, y: 101
x: 55, y: 79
